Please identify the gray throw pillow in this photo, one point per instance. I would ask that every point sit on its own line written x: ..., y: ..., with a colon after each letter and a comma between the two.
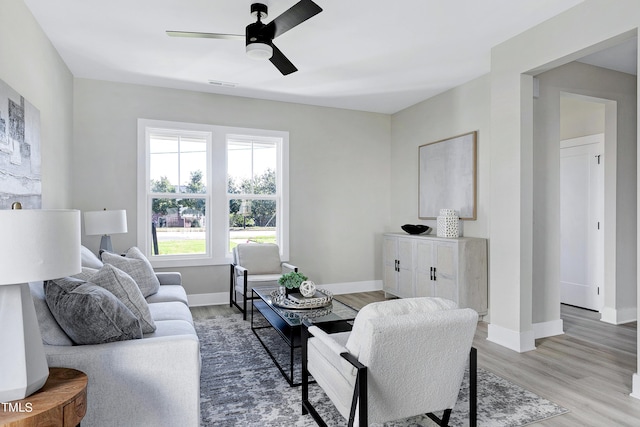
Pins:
x: 89, y: 314
x: 136, y: 265
x: 51, y: 332
x: 125, y: 289
x: 86, y: 274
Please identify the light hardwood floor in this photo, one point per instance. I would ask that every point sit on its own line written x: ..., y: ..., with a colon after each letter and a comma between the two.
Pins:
x: 587, y: 370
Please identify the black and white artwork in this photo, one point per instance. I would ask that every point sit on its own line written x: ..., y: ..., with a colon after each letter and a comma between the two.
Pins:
x: 20, y: 175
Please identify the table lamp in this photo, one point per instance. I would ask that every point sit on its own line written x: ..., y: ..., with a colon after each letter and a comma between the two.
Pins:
x: 36, y: 245
x: 105, y: 223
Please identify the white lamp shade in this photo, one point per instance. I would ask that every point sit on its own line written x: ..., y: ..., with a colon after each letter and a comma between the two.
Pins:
x: 38, y: 245
x: 259, y: 51
x: 105, y: 222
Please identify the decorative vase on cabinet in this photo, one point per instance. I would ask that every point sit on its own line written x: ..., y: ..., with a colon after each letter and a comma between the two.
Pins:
x: 452, y: 268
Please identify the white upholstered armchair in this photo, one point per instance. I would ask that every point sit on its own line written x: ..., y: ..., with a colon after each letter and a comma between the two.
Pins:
x: 254, y: 264
x: 403, y: 358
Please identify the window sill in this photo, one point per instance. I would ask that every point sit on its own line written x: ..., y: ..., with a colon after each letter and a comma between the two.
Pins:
x: 189, y: 262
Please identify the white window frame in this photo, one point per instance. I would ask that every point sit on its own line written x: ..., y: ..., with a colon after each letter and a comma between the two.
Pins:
x: 217, y: 218
x: 282, y: 182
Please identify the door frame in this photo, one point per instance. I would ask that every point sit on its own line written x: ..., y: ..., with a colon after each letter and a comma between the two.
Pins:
x: 609, y: 312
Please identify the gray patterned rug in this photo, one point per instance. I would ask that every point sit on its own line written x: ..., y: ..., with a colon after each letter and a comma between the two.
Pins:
x: 240, y: 386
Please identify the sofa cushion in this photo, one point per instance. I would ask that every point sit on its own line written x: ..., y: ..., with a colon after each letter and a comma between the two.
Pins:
x: 136, y: 265
x: 89, y: 259
x: 168, y: 293
x: 126, y: 290
x: 170, y: 310
x: 52, y: 333
x: 172, y: 328
x: 90, y: 314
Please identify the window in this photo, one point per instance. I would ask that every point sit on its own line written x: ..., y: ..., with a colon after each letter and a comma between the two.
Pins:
x: 253, y: 189
x: 204, y: 189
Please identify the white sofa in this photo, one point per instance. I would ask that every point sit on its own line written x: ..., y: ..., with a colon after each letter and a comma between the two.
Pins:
x: 153, y: 381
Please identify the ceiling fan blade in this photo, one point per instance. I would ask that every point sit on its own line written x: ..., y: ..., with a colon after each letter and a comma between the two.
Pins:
x: 205, y: 35
x: 297, y: 14
x: 281, y: 62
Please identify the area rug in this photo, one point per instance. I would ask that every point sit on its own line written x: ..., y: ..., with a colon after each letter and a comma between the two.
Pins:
x: 240, y: 386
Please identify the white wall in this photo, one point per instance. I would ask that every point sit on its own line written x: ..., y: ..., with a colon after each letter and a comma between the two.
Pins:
x: 339, y: 172
x: 620, y: 182
x: 460, y: 110
x: 31, y: 66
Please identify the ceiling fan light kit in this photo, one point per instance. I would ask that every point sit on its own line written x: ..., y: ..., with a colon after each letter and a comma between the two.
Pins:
x: 259, y: 36
x: 259, y: 51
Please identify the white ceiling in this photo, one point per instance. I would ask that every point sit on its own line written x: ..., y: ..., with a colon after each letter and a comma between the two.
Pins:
x: 370, y: 55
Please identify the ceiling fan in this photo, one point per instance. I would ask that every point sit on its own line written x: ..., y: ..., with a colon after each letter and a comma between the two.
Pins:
x: 259, y: 36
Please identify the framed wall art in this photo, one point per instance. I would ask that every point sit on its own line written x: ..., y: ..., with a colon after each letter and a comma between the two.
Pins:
x: 447, y: 176
x: 20, y: 175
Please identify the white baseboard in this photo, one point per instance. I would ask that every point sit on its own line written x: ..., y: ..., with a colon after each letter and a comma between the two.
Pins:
x: 353, y: 287
x: 548, y: 329
x: 619, y: 316
x: 513, y: 340
x: 635, y: 386
x: 220, y: 298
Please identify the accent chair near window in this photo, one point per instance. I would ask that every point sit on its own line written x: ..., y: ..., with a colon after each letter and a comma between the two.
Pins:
x: 254, y: 264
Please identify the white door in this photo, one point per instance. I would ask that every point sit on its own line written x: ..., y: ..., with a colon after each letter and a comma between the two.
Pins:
x: 581, y: 222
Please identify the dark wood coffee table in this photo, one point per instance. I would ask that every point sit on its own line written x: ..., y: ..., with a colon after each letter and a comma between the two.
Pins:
x: 269, y: 321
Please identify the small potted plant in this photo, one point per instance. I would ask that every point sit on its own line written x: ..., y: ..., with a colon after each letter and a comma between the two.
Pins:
x: 291, y: 281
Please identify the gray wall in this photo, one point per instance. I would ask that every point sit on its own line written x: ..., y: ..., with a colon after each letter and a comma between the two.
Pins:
x: 620, y: 184
x: 460, y: 110
x: 31, y: 66
x: 580, y: 118
x: 584, y: 29
x: 339, y: 172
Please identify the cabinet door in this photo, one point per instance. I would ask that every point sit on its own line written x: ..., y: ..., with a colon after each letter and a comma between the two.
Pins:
x: 390, y: 255
x: 424, y: 264
x: 405, y: 266
x: 446, y: 264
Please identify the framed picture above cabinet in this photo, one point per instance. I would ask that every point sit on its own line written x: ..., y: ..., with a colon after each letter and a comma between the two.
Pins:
x: 447, y: 176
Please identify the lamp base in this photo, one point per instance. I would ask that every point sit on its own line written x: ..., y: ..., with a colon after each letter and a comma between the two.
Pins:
x: 24, y: 364
x: 105, y: 243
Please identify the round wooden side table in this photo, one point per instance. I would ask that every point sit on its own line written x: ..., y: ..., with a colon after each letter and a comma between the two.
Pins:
x: 62, y: 402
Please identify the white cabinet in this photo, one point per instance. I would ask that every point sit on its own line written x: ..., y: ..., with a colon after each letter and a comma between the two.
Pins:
x: 398, y: 266
x: 433, y: 266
